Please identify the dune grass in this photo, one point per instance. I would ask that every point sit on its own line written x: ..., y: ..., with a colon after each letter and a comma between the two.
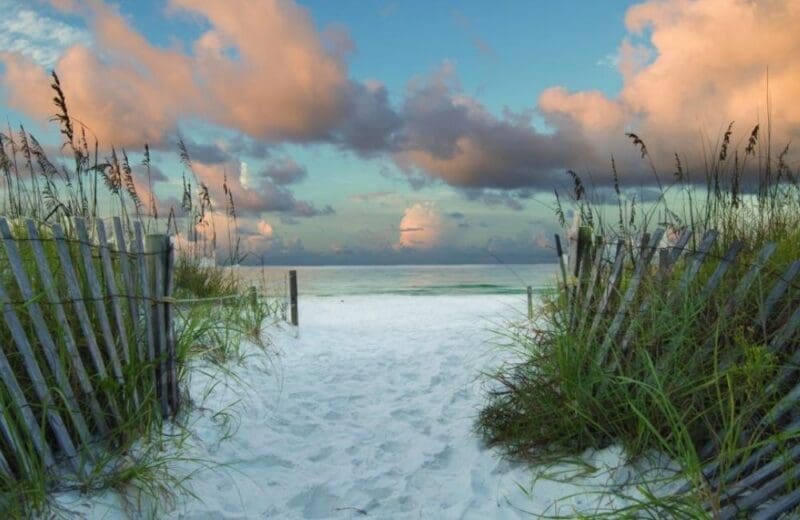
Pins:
x: 699, y: 378
x: 132, y: 455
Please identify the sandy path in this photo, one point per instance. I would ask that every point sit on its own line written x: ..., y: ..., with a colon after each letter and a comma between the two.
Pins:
x: 367, y: 414
x: 375, y: 413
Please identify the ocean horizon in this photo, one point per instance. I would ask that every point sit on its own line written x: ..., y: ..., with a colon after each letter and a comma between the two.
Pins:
x: 412, y: 280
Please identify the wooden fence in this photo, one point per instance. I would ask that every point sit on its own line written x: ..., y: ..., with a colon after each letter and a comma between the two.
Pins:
x: 604, y: 283
x: 87, y: 338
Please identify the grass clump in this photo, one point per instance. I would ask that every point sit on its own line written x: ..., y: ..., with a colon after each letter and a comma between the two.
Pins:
x: 109, y: 408
x: 193, y: 279
x: 696, y: 374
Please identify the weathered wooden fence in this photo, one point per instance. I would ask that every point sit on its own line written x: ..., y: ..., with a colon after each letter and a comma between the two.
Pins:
x: 604, y: 283
x: 87, y: 338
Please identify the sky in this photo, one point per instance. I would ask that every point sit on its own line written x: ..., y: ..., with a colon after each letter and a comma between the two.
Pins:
x: 380, y: 131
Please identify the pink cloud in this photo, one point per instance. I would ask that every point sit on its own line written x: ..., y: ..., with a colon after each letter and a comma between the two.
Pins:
x: 705, y: 64
x: 264, y: 228
x: 261, y: 67
x: 420, y: 227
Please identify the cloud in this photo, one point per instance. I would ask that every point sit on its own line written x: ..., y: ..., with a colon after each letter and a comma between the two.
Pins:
x: 261, y: 68
x: 129, y: 91
x: 205, y: 153
x: 38, y: 37
x: 420, y: 227
x: 369, y: 123
x: 253, y: 195
x: 284, y: 170
x: 382, y: 198
x: 267, y: 72
x: 452, y: 137
x: 684, y: 74
x: 265, y: 229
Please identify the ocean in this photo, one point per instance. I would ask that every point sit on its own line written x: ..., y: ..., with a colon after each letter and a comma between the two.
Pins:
x: 412, y: 280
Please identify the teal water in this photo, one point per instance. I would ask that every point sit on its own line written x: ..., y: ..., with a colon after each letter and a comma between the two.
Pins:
x: 417, y: 280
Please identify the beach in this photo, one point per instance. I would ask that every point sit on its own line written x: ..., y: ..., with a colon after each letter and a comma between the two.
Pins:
x: 367, y: 409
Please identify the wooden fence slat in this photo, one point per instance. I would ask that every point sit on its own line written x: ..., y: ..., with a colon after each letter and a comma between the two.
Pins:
x: 169, y: 284
x: 137, y: 248
x: 745, y: 467
x: 765, y: 472
x: 744, y: 284
x: 5, y: 469
x: 637, y: 252
x: 688, y: 277
x: 672, y: 255
x: 663, y: 264
x: 573, y: 255
x: 113, y: 293
x: 562, y: 266
x: 776, y: 343
x: 11, y: 442
x: 679, y: 247
x: 777, y: 292
x: 699, y: 257
x: 31, y: 423
x: 722, y: 268
x: 612, y: 286
x: 779, y: 507
x: 154, y: 247
x: 142, y: 280
x: 37, y: 378
x: 594, y: 278
x: 49, y: 348
x: 783, y: 406
x: 759, y: 496
x: 82, y: 315
x: 92, y: 280
x: 65, y: 328
x: 124, y: 262
x: 112, y: 289
x: 584, y: 259
x: 630, y: 294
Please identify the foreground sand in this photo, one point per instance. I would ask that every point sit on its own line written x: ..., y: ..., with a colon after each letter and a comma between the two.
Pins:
x: 368, y: 412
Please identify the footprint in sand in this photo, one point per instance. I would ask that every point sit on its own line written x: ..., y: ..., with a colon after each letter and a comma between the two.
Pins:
x: 332, y: 416
x: 322, y: 454
x: 270, y: 461
x: 303, y: 430
x: 440, y: 459
x: 407, y: 415
x: 315, y: 502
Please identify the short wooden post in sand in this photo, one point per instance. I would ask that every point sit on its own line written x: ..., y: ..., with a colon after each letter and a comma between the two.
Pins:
x: 530, y: 303
x: 293, y: 296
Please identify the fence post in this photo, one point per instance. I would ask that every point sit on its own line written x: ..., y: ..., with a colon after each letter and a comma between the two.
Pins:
x: 169, y: 313
x: 530, y: 303
x: 252, y: 295
x: 563, y: 267
x: 293, y: 296
x: 155, y: 247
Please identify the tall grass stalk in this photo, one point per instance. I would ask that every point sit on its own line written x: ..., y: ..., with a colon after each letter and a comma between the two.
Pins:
x: 699, y: 375
x: 130, y: 453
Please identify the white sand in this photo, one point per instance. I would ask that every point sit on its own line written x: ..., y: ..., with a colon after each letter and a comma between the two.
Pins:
x: 370, y: 410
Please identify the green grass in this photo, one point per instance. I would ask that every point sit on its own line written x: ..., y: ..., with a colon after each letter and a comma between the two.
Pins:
x: 696, y: 372
x: 133, y: 457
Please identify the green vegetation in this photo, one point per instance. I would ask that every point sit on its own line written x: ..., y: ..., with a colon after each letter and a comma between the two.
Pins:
x: 700, y: 376
x: 127, y: 450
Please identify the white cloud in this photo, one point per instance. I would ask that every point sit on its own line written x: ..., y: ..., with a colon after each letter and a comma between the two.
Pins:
x: 42, y: 38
